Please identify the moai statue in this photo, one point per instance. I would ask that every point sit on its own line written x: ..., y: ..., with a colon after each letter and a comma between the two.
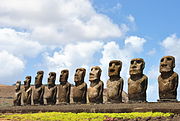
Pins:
x: 17, y: 96
x: 80, y: 88
x: 137, y: 82
x: 38, y: 91
x: 168, y: 80
x: 27, y: 92
x: 95, y: 91
x: 115, y: 82
x: 51, y: 91
x: 64, y: 88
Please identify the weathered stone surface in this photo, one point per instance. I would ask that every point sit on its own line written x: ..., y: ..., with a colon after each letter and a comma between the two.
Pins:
x: 17, y: 96
x: 27, y: 91
x: 168, y: 80
x: 80, y: 88
x: 64, y: 88
x: 137, y: 83
x: 38, y: 90
x: 95, y: 91
x: 51, y: 90
x: 115, y: 82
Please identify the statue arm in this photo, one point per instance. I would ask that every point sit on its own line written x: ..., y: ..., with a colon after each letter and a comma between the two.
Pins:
x: 55, y: 93
x: 42, y: 93
x: 29, y: 95
x: 176, y: 83
x: 84, y: 92
x: 121, y: 87
x: 144, y: 84
x: 68, y: 93
x: 101, y: 87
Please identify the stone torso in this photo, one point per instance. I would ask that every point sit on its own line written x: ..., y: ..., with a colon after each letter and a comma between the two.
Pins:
x: 137, y: 89
x: 38, y: 94
x: 50, y: 95
x: 114, y: 90
x: 26, y: 95
x: 64, y: 93
x: 95, y: 93
x: 168, y: 86
x: 17, y: 98
x: 79, y: 93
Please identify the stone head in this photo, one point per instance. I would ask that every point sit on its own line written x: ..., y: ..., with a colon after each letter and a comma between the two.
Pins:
x: 18, y: 86
x: 51, y: 79
x: 27, y: 82
x: 38, y: 78
x: 79, y: 75
x: 114, y: 68
x: 64, y: 76
x: 95, y: 73
x: 136, y: 66
x: 167, y: 64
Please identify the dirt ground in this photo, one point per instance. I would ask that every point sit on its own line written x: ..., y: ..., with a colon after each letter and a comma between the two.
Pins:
x: 6, y: 95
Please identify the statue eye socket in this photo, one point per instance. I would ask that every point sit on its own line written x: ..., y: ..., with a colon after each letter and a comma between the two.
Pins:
x: 169, y: 59
x: 162, y: 60
x: 132, y: 62
x: 138, y: 61
x: 117, y: 63
x: 110, y: 64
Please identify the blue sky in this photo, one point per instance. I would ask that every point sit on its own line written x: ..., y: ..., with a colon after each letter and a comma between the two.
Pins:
x: 52, y: 35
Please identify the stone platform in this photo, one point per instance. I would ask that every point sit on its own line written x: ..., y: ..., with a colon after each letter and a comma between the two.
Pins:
x: 101, y: 108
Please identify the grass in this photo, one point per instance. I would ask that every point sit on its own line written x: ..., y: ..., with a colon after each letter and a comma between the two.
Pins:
x: 58, y: 116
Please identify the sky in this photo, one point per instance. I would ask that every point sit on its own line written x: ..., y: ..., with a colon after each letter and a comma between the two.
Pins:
x: 52, y: 35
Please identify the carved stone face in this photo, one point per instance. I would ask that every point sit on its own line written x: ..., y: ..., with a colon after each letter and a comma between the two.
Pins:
x: 51, y: 79
x: 114, y: 68
x: 27, y: 82
x: 136, y: 66
x: 79, y: 75
x: 38, y: 78
x: 18, y: 85
x: 64, y: 76
x: 167, y: 64
x: 95, y: 73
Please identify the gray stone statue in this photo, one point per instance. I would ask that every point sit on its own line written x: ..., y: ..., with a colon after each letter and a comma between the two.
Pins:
x: 80, y: 88
x: 95, y: 91
x: 51, y: 90
x: 38, y: 91
x: 64, y: 88
x: 115, y: 82
x: 168, y: 80
x: 27, y: 92
x: 17, y: 96
x: 137, y: 83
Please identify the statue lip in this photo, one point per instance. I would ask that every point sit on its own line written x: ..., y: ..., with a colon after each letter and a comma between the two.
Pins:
x: 111, y: 70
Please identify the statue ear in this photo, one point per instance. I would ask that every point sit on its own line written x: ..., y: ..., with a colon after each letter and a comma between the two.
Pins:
x: 143, y: 65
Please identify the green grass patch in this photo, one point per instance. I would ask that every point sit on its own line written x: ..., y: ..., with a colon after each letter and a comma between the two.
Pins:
x: 58, y: 116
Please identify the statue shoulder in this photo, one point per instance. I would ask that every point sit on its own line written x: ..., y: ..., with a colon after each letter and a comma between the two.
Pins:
x: 175, y: 74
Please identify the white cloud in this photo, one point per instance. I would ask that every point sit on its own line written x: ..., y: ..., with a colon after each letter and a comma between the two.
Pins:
x: 18, y: 43
x: 74, y: 56
x: 135, y: 43
x: 152, y: 90
x: 57, y: 22
x: 152, y: 52
x: 171, y: 45
x: 131, y: 18
x: 11, y: 67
